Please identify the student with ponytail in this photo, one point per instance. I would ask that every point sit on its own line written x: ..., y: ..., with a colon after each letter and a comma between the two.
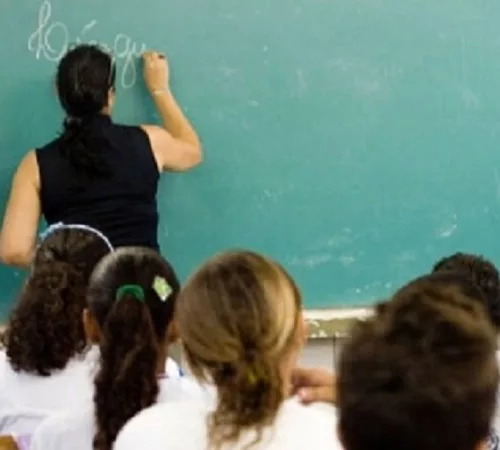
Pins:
x: 131, y: 303
x: 240, y: 321
x: 98, y: 172
x: 45, y: 363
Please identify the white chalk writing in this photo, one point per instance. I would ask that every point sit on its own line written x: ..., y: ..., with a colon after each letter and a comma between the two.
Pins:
x: 52, y: 39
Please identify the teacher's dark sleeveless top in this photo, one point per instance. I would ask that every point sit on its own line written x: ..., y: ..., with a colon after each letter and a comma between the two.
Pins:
x: 122, y: 205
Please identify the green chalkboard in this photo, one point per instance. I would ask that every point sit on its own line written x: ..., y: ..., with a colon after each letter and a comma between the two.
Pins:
x: 356, y: 141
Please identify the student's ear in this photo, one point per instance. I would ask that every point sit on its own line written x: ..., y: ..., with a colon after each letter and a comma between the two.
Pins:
x: 91, y: 328
x: 172, y: 335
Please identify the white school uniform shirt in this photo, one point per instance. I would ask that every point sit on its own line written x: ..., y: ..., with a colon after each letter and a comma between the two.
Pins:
x: 26, y: 399
x: 183, y: 426
x: 76, y: 430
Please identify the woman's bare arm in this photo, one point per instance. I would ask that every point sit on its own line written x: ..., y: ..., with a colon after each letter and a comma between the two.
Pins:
x: 22, y: 214
x: 176, y: 145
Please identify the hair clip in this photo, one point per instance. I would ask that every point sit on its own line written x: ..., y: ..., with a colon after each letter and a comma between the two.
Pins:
x: 162, y: 288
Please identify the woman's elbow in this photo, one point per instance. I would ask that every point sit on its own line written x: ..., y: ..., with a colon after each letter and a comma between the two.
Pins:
x: 193, y: 158
x: 12, y: 256
x: 197, y: 157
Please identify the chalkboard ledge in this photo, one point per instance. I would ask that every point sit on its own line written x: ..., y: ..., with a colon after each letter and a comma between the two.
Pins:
x: 325, y: 323
x: 333, y: 323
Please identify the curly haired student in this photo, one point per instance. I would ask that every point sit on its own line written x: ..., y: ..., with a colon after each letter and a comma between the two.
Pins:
x: 44, y: 365
x: 131, y: 303
x: 241, y: 324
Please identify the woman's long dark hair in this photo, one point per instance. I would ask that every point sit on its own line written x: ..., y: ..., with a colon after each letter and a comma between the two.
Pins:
x: 133, y: 329
x: 84, y: 78
x: 45, y: 328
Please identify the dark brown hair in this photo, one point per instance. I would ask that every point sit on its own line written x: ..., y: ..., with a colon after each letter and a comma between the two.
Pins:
x: 483, y: 273
x: 85, y: 75
x: 421, y: 374
x: 45, y: 328
x: 132, y: 334
x: 238, y: 316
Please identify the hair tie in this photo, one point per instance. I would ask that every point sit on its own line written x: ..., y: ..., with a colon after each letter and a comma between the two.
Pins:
x: 133, y: 289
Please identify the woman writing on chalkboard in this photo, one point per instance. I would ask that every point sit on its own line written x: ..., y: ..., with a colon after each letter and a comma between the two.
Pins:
x: 96, y: 172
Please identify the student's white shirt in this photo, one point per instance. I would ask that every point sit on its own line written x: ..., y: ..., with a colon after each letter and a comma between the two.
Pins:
x: 183, y: 426
x: 76, y: 430
x: 27, y: 399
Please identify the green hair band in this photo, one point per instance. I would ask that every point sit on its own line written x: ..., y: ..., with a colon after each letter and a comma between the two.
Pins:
x: 133, y: 289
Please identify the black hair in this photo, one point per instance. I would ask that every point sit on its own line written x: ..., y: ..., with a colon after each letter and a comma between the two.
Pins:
x: 85, y: 76
x: 45, y: 328
x: 133, y: 329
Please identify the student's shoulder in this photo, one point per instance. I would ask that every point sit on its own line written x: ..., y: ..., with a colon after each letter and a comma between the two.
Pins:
x: 166, y: 424
x: 4, y: 361
x: 59, y: 431
x: 183, y: 389
x: 313, y: 425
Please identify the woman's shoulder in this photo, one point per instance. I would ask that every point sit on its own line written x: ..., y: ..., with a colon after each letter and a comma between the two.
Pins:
x: 51, y: 145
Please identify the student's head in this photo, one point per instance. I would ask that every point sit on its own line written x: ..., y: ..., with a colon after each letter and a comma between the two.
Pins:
x: 85, y: 84
x: 45, y: 328
x: 131, y: 302
x: 421, y: 374
x: 483, y: 273
x: 240, y: 322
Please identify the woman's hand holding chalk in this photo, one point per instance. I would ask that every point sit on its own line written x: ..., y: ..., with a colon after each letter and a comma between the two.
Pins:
x: 156, y: 71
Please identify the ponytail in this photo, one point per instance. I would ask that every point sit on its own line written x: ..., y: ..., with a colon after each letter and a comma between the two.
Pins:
x: 83, y: 147
x: 127, y: 380
x: 250, y: 395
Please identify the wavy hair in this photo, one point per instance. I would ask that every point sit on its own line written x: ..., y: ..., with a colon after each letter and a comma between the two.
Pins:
x: 85, y: 76
x: 238, y: 317
x: 133, y: 331
x: 45, y: 328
